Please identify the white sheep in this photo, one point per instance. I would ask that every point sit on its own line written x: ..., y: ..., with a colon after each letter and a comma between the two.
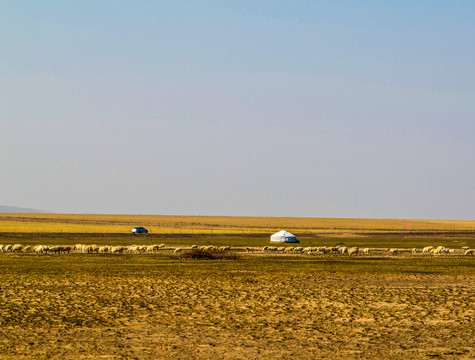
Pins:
x: 177, y: 250
x: 392, y: 251
x: 322, y: 249
x: 117, y: 249
x: 289, y: 250
x: 366, y: 251
x: 427, y: 249
x: 103, y: 250
x: 17, y: 248
x: 1, y: 248
x: 452, y: 251
x: 469, y: 252
x: 150, y: 248
x: 40, y: 249
x: 333, y: 249
x: 132, y: 248
x: 444, y: 250
x: 353, y: 250
x: 414, y: 251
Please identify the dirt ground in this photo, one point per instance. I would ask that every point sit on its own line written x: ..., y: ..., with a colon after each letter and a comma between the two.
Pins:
x: 164, y: 307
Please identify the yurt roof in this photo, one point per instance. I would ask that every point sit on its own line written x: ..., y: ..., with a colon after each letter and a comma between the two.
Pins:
x: 284, y: 233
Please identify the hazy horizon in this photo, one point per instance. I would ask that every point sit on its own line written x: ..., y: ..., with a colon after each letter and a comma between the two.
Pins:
x: 302, y: 109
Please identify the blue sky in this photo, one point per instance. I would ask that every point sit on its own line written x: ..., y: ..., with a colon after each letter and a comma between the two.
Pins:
x: 305, y: 108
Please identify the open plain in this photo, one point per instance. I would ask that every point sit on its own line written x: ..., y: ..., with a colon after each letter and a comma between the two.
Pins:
x: 250, y: 304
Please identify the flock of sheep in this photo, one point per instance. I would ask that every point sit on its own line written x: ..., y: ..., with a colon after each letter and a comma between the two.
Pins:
x: 342, y: 250
x: 80, y: 248
x: 135, y: 249
x: 97, y: 249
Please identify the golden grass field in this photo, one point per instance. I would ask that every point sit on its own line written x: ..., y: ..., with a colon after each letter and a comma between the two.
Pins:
x: 164, y: 224
x: 248, y: 305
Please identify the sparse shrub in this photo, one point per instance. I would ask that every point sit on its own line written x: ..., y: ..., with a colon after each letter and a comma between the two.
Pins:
x: 209, y: 255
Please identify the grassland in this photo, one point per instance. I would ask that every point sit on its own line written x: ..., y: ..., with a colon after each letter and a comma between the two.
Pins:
x: 165, y: 306
x: 209, y: 225
x: 162, y: 306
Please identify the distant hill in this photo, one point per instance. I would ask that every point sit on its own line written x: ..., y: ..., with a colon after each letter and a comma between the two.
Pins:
x: 14, y: 209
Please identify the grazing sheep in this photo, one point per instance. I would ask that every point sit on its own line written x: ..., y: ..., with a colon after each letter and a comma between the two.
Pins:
x: 452, y: 252
x: 150, y: 248
x: 40, y: 249
x: 103, y: 250
x: 333, y: 250
x: 177, y: 250
x: 248, y: 249
x: 55, y: 249
x: 17, y: 248
x: 343, y: 250
x: 8, y: 248
x: 298, y: 249
x: 392, y: 251
x: 438, y: 250
x: 1, y: 248
x: 366, y: 251
x: 353, y: 250
x: 281, y: 249
x: 117, y: 249
x: 427, y: 249
x: 265, y: 248
x: 322, y: 249
x: 469, y: 252
x: 308, y: 250
x: 193, y: 247
x: 414, y: 251
x: 132, y: 248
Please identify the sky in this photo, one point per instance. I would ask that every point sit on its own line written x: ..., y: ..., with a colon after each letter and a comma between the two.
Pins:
x: 254, y: 108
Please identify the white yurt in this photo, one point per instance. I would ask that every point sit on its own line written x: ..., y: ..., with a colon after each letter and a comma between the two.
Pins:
x: 283, y: 236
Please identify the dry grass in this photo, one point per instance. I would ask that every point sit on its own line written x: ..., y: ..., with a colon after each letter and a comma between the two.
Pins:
x: 157, y: 306
x: 75, y: 223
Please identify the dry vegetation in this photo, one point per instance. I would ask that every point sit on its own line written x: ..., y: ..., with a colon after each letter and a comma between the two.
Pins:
x: 74, y: 223
x: 162, y: 306
x: 232, y: 304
